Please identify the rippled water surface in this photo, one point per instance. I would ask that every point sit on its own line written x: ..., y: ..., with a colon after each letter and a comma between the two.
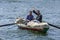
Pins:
x: 11, y: 9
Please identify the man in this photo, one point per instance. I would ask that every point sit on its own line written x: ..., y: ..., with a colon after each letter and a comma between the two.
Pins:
x: 30, y: 16
x: 39, y: 16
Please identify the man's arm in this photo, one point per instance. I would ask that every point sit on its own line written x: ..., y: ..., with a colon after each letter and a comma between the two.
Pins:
x: 34, y: 12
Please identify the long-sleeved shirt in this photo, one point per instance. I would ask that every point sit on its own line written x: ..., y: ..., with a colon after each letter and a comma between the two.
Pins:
x: 30, y: 17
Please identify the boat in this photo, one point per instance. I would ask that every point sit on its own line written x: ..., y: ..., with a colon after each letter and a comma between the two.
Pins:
x: 32, y: 25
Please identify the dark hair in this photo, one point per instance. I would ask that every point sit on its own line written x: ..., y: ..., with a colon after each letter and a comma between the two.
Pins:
x: 38, y: 12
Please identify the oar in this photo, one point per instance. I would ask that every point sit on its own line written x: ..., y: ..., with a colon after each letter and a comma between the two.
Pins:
x: 7, y: 24
x: 54, y: 26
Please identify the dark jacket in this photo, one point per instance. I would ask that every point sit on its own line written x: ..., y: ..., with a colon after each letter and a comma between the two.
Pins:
x: 39, y: 18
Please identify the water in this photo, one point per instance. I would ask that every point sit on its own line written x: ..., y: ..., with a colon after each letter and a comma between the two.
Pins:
x: 11, y: 9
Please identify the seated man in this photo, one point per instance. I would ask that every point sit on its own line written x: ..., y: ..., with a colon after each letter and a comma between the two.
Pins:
x: 30, y: 16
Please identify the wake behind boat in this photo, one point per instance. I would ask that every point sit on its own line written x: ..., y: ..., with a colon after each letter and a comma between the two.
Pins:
x: 32, y: 25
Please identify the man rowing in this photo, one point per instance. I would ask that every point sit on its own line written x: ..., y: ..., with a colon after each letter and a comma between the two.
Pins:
x: 39, y: 16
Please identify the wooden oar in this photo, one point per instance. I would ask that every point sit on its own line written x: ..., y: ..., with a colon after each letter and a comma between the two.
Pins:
x: 54, y: 26
x: 7, y: 24
x: 16, y: 23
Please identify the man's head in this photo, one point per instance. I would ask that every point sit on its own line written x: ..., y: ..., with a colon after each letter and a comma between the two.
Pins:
x: 38, y: 12
x: 30, y: 12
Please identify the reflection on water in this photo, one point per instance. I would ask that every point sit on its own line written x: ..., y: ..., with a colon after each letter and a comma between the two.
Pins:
x: 13, y: 33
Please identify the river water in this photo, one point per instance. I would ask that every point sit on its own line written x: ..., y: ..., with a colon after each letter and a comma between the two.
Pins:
x: 12, y: 9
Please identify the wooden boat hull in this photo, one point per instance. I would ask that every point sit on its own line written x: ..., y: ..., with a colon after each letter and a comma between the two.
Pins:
x: 43, y: 27
x: 34, y: 29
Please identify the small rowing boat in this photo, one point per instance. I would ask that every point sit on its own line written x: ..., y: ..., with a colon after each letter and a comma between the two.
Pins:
x: 32, y: 25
